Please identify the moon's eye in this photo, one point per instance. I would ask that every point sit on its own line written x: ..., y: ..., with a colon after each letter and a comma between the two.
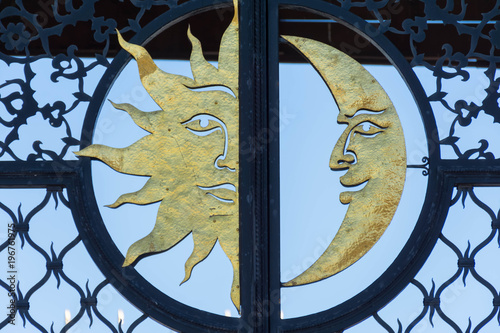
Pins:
x: 368, y: 129
x: 203, y: 124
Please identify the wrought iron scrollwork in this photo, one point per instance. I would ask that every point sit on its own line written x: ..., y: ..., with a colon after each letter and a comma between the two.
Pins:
x: 27, y: 38
x: 424, y: 165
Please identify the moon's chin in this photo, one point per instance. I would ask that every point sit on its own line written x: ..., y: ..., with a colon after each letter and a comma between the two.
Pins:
x: 347, y: 196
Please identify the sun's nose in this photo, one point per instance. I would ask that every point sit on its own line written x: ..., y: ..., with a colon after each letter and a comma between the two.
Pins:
x: 223, y: 162
x: 228, y: 160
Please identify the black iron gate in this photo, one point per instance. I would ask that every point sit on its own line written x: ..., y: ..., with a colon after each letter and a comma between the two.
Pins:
x: 444, y: 38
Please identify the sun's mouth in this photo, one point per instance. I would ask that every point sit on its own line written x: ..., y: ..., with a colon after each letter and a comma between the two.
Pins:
x: 223, y: 192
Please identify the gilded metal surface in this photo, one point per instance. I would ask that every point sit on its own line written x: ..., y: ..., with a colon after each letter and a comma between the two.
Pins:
x: 371, y: 148
x: 191, y: 155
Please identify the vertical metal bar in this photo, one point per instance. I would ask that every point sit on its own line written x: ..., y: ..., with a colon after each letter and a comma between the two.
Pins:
x: 248, y: 185
x: 273, y: 157
x: 259, y: 202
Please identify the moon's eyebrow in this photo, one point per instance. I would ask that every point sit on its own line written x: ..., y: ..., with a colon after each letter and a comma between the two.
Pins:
x: 365, y: 111
x: 371, y: 123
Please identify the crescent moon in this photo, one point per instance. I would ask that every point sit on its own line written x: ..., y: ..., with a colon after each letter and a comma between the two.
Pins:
x: 372, y: 149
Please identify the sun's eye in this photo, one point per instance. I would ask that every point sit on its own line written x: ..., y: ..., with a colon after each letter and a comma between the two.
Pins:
x: 203, y: 124
x: 368, y: 129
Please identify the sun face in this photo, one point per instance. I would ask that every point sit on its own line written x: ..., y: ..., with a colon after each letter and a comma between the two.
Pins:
x: 190, y: 155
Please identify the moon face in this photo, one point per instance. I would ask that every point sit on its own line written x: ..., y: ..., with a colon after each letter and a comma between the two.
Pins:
x: 371, y: 149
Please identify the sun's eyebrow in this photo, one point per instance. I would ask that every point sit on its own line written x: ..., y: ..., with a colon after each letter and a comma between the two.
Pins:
x: 365, y: 111
x: 215, y: 87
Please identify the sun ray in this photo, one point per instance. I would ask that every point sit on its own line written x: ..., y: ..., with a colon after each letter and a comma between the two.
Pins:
x: 126, y: 160
x: 160, y: 85
x: 204, y: 73
x: 145, y: 120
x: 229, y: 242
x: 166, y: 233
x: 202, y: 248
x: 146, y: 195
x: 229, y: 55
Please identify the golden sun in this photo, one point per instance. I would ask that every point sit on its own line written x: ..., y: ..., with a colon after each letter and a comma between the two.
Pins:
x: 190, y: 155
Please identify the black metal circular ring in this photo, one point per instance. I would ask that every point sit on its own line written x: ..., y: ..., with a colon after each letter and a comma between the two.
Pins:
x: 181, y: 317
x: 431, y: 218
x: 96, y: 238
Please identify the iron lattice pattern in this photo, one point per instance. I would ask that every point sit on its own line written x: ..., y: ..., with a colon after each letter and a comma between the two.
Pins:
x: 449, y: 300
x: 33, y: 64
x: 428, y: 306
x: 38, y: 238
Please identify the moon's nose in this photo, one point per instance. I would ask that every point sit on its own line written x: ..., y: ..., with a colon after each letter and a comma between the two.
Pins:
x: 341, y: 159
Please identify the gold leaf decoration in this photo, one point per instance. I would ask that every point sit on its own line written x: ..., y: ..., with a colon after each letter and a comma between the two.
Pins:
x: 190, y: 155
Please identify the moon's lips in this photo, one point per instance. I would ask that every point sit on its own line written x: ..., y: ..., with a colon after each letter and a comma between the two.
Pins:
x: 375, y: 138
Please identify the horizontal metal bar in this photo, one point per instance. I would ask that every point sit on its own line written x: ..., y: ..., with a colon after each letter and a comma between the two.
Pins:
x: 37, y: 174
x: 473, y: 22
x: 472, y: 172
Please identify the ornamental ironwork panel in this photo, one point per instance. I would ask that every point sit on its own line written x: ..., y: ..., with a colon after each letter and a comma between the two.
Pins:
x: 214, y: 160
